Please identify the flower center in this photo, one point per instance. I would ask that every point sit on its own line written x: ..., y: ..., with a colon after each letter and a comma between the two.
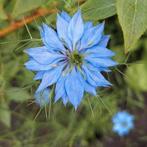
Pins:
x: 75, y: 58
x: 124, y: 124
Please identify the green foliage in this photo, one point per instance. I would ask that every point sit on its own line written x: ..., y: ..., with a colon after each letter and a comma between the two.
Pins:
x: 3, y: 15
x: 120, y: 55
x: 82, y: 124
x: 17, y: 94
x: 136, y: 76
x: 5, y: 113
x: 21, y: 7
x: 98, y: 9
x: 133, y: 19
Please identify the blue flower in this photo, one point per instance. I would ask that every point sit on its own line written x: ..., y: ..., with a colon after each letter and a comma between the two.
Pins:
x: 42, y: 97
x: 71, y: 58
x: 123, y: 122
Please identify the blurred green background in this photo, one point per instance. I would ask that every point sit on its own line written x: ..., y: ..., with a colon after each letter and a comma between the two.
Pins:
x: 24, y: 124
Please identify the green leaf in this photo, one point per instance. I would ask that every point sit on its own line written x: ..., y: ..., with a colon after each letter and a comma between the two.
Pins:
x: 136, y: 77
x: 17, y: 94
x: 145, y: 53
x: 3, y: 15
x: 5, y: 114
x: 21, y: 6
x: 9, y: 72
x: 98, y: 9
x: 133, y: 20
x: 120, y: 55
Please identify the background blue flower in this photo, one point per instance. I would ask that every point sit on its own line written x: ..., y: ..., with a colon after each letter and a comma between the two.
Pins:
x: 72, y: 58
x: 42, y: 98
x: 123, y: 122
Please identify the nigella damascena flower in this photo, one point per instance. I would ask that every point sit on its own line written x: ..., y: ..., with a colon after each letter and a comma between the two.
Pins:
x: 42, y: 98
x: 123, y: 122
x: 72, y: 58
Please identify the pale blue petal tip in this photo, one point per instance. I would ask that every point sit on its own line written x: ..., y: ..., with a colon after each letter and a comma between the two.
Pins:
x: 42, y: 98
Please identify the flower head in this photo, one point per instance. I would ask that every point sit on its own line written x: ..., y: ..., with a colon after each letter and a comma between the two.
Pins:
x: 123, y: 123
x: 71, y: 58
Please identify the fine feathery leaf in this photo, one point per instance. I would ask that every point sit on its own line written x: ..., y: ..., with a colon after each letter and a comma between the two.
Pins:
x: 133, y: 20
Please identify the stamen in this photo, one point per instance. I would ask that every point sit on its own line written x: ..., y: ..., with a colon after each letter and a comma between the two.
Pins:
x: 75, y: 58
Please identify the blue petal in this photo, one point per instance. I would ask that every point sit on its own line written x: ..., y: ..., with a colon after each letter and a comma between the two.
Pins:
x: 36, y: 50
x: 39, y: 75
x: 118, y: 128
x: 65, y: 16
x: 74, y: 88
x: 101, y: 62
x: 76, y: 28
x: 46, y: 57
x: 62, y: 26
x: 87, y: 25
x: 96, y: 68
x: 50, y: 77
x: 92, y: 36
x: 98, y: 51
x: 88, y: 77
x: 95, y: 78
x: 50, y: 39
x: 60, y: 88
x: 89, y: 88
x: 100, y: 80
x: 121, y: 116
x: 104, y: 40
x: 65, y: 99
x: 42, y: 98
x: 130, y: 125
x: 35, y: 66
